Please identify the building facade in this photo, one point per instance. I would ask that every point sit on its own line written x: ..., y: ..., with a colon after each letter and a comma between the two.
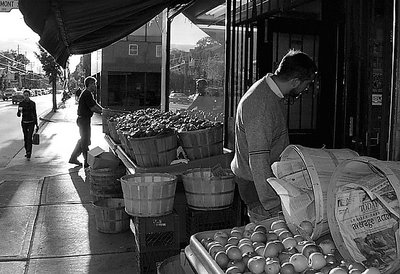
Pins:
x: 129, y: 71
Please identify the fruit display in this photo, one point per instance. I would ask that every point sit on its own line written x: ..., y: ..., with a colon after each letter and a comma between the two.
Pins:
x: 273, y: 249
x: 153, y: 122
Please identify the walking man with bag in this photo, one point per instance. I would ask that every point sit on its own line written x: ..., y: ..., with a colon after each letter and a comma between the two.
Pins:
x: 261, y: 132
x: 29, y: 120
x: 86, y: 107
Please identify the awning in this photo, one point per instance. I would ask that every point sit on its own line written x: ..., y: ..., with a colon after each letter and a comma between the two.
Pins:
x: 70, y: 27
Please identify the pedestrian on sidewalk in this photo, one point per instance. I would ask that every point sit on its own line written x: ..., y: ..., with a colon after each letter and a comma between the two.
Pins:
x: 86, y: 106
x: 29, y: 120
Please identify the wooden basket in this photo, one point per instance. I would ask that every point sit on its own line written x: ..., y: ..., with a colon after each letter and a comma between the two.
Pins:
x: 104, y: 183
x: 106, y: 114
x: 110, y: 215
x: 113, y: 131
x: 363, y: 198
x: 149, y: 194
x: 318, y: 166
x: 154, y: 151
x: 204, y: 192
x: 124, y: 143
x: 202, y: 143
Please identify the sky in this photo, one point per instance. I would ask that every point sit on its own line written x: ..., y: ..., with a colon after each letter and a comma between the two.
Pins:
x: 16, y: 35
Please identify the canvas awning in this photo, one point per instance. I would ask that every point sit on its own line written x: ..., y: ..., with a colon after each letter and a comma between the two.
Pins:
x: 70, y: 27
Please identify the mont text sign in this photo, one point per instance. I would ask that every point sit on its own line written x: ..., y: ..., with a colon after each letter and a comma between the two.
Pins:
x: 7, y: 5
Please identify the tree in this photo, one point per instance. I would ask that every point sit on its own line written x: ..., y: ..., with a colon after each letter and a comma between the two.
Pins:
x: 51, y: 69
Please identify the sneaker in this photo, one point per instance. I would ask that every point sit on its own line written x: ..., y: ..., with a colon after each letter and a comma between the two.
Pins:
x: 74, y: 162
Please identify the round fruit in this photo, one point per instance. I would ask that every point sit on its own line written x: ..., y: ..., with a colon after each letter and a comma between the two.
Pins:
x: 221, y: 239
x: 307, y: 227
x: 287, y: 268
x: 206, y: 241
x: 245, y: 240
x: 236, y: 234
x: 257, y: 244
x: 272, y: 267
x: 284, y: 257
x: 298, y: 238
x: 278, y: 224
x: 299, y: 261
x: 260, y: 228
x: 337, y: 270
x: 247, y: 234
x: 260, y: 250
x: 214, y: 249
x: 256, y: 264
x: 234, y: 253
x: 233, y: 270
x: 316, y: 261
x: 308, y: 249
x: 279, y: 245
x: 258, y: 236
x: 250, y: 226
x: 284, y: 234
x: 246, y: 248
x: 331, y: 259
x: 271, y: 250
x: 357, y: 265
x: 233, y: 241
x: 222, y: 259
x: 371, y: 270
x: 239, y: 264
x: 289, y: 242
x: 355, y: 271
x: 327, y: 246
x: 301, y: 244
x: 280, y: 230
x: 271, y: 236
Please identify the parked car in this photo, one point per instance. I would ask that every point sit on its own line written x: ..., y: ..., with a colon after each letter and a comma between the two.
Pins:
x: 17, y: 97
x: 179, y: 98
x: 8, y: 93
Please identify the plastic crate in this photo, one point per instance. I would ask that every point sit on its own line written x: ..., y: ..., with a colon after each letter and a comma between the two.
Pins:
x: 155, y: 233
x: 148, y: 262
x: 199, y: 220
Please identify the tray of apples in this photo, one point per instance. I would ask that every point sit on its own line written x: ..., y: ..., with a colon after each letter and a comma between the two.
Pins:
x: 270, y: 247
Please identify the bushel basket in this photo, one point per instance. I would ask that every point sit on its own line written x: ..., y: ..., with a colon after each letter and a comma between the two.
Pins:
x: 113, y: 131
x: 149, y: 194
x: 154, y: 151
x: 364, y: 212
x: 104, y: 182
x: 206, y: 192
x: 111, y: 216
x: 302, y: 178
x: 202, y: 143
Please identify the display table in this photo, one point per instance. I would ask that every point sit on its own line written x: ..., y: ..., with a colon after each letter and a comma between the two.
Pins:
x: 190, y: 263
x: 177, y: 169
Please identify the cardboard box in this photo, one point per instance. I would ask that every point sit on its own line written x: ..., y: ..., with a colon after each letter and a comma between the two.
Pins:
x: 98, y: 158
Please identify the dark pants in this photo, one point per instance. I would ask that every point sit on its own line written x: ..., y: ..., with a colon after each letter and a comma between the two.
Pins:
x: 27, y: 129
x: 249, y: 195
x: 82, y: 146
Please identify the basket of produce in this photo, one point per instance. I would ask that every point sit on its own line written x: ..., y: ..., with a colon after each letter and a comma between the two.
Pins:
x: 204, y: 191
x: 201, y: 139
x: 149, y: 194
x: 112, y: 127
x: 302, y: 178
x: 106, y: 114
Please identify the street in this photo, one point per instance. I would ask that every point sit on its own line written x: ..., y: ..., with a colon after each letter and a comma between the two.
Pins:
x: 11, y: 137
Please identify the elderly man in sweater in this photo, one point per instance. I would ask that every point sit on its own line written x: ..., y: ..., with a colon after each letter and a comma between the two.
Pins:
x: 261, y: 133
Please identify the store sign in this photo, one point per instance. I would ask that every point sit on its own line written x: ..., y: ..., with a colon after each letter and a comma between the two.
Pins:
x: 6, y: 6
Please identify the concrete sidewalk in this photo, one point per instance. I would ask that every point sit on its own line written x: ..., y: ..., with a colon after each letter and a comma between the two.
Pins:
x: 47, y: 222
